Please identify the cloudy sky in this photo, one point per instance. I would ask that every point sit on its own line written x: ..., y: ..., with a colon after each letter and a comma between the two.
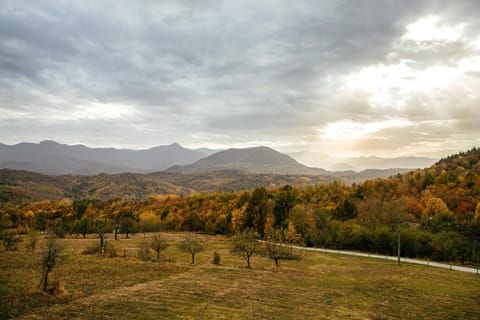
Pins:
x: 347, y: 78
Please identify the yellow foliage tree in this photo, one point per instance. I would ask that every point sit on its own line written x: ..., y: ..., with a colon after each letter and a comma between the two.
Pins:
x: 238, y: 217
x: 477, y: 213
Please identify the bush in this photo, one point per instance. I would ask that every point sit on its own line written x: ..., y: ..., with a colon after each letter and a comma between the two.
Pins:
x: 382, y: 242
x: 96, y: 249
x: 408, y: 243
x: 446, y: 245
x: 423, y: 244
x: 92, y: 249
x: 216, y: 258
x: 144, y: 252
x: 110, y: 250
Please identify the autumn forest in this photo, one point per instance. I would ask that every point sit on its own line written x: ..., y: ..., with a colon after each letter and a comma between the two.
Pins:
x: 436, y: 209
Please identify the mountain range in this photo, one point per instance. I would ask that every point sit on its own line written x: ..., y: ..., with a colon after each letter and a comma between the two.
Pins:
x: 322, y: 160
x: 50, y: 170
x: 52, y: 158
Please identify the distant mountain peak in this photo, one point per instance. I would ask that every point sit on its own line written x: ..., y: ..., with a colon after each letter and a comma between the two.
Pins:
x: 259, y: 159
x: 48, y: 142
x: 175, y: 144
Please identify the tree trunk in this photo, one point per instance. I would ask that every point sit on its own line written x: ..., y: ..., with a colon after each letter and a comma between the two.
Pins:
x: 45, y: 282
x: 102, y: 245
x: 158, y: 255
x: 248, y: 261
x: 398, y: 243
x: 193, y: 258
x: 84, y: 235
x: 276, y: 262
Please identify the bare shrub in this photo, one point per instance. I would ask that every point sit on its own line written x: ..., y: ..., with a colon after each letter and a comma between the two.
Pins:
x: 10, y: 239
x: 50, y: 258
x: 107, y: 250
x: 144, y: 252
x: 33, y: 236
x: 216, y: 258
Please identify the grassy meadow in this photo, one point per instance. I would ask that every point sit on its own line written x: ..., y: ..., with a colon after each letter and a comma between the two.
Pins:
x: 320, y: 286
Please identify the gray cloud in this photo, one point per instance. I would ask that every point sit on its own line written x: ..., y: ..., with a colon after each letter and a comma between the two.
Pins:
x: 207, y: 73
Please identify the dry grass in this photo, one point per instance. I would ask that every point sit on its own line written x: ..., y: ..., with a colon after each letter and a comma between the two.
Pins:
x: 321, y: 286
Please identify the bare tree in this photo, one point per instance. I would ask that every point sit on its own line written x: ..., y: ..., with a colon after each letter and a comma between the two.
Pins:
x: 50, y: 258
x: 158, y: 244
x: 245, y: 244
x: 32, y: 239
x: 10, y: 239
x: 192, y: 246
x: 101, y: 227
x: 276, y: 248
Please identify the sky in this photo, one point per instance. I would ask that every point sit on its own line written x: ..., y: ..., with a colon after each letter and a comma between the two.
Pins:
x: 347, y: 78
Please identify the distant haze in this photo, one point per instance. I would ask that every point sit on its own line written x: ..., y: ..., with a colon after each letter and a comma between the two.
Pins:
x: 322, y: 160
x: 343, y: 78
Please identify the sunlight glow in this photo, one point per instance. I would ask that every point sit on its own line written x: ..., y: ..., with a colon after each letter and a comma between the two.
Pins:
x: 394, y: 85
x: 476, y: 44
x: 102, y: 111
x: 350, y: 130
x: 428, y: 29
x: 470, y: 64
x: 391, y: 85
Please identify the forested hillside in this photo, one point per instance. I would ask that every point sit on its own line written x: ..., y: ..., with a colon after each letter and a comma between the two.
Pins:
x: 437, y: 210
x: 23, y: 186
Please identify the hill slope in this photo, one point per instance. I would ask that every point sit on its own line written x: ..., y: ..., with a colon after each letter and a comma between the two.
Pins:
x: 255, y: 160
x: 268, y: 161
x: 18, y: 186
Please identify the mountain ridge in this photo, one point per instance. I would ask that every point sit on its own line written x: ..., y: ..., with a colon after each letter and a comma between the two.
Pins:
x: 50, y: 157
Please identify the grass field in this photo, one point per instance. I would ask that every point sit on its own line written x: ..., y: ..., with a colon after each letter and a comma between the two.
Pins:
x: 321, y: 286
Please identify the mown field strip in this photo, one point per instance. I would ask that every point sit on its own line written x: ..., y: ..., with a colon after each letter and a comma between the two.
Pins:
x: 394, y: 258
